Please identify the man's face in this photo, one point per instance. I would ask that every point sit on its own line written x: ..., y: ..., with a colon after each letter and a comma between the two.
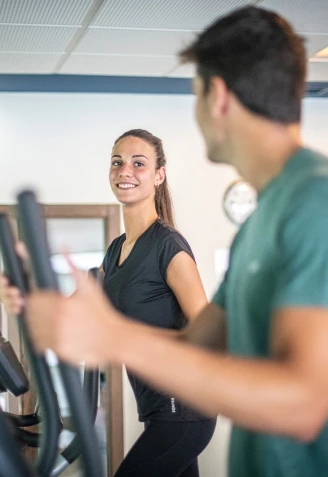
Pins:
x: 210, y: 122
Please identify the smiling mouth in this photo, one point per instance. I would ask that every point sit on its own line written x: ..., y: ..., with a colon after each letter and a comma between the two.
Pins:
x: 126, y: 186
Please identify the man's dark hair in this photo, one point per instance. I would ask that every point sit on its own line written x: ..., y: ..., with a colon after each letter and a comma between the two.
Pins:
x: 259, y: 56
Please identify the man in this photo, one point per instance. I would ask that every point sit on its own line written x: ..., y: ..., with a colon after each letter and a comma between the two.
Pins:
x: 258, y: 353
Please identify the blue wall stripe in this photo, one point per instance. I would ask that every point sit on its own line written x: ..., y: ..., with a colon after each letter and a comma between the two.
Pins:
x: 19, y: 83
x: 93, y: 84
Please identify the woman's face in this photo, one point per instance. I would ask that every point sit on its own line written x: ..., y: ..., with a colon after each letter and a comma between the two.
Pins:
x: 133, y: 175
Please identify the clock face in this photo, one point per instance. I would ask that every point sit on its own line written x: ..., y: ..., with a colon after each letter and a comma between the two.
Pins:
x: 239, y: 201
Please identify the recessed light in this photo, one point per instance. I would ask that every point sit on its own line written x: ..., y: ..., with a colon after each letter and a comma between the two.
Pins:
x: 322, y: 53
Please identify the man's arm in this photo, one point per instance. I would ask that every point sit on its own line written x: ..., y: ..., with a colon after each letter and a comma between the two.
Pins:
x: 208, y: 330
x: 287, y: 394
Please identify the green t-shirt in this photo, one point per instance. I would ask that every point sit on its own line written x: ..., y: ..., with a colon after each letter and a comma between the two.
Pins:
x: 278, y: 258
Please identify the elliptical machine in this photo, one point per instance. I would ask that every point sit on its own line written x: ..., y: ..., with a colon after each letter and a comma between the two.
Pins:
x: 83, y: 403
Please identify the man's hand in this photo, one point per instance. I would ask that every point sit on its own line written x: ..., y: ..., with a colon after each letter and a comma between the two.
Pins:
x: 83, y: 327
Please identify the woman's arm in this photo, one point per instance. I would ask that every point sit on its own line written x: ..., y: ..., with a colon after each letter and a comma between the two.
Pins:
x: 206, y: 325
x: 183, y: 278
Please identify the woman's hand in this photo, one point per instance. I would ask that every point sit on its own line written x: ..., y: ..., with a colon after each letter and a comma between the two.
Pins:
x: 11, y: 296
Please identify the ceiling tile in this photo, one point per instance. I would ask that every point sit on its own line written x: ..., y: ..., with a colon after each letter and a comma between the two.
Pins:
x: 165, y: 14
x: 44, y: 12
x: 35, y: 38
x: 133, y: 42
x: 315, y: 43
x: 27, y: 63
x: 117, y: 65
x: 317, y: 71
x: 133, y: 33
x: 305, y: 15
x: 182, y: 71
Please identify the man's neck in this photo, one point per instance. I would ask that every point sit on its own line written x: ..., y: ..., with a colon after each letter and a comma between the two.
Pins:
x: 262, y: 148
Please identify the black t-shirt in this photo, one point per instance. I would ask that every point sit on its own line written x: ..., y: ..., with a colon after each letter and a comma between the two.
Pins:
x: 138, y: 288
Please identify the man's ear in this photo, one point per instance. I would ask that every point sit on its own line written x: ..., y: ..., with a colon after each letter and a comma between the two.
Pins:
x: 218, y: 97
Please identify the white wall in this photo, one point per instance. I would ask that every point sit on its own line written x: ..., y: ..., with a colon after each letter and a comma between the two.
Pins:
x: 60, y: 144
x: 315, y: 123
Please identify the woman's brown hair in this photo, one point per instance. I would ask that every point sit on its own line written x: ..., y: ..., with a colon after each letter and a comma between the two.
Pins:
x: 163, y: 201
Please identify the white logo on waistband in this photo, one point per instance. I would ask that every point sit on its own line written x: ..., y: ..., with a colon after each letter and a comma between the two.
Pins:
x: 173, y: 405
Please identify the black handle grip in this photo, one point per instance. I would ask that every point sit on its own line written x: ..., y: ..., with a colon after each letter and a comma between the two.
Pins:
x: 12, y: 374
x: 12, y: 264
x: 12, y: 462
x: 90, y: 390
x: 35, y: 237
x: 27, y: 420
x: 48, y: 399
x: 27, y: 438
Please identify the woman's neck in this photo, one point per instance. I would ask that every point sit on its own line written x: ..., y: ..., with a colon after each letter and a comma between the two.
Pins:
x: 137, y: 219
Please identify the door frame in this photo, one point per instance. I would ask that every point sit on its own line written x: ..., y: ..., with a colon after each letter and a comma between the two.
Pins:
x: 114, y: 382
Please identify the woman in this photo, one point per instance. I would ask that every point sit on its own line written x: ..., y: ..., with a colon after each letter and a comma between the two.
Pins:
x: 150, y: 275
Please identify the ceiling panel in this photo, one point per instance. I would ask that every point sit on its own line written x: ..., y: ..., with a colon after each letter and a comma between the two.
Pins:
x: 317, y: 71
x: 27, y: 63
x: 166, y: 14
x: 35, y: 38
x: 305, y: 15
x: 117, y: 65
x: 315, y: 43
x: 142, y: 37
x: 133, y: 42
x: 44, y: 12
x: 182, y: 71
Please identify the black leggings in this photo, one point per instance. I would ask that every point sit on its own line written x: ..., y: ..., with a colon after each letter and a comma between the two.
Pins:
x: 168, y: 449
